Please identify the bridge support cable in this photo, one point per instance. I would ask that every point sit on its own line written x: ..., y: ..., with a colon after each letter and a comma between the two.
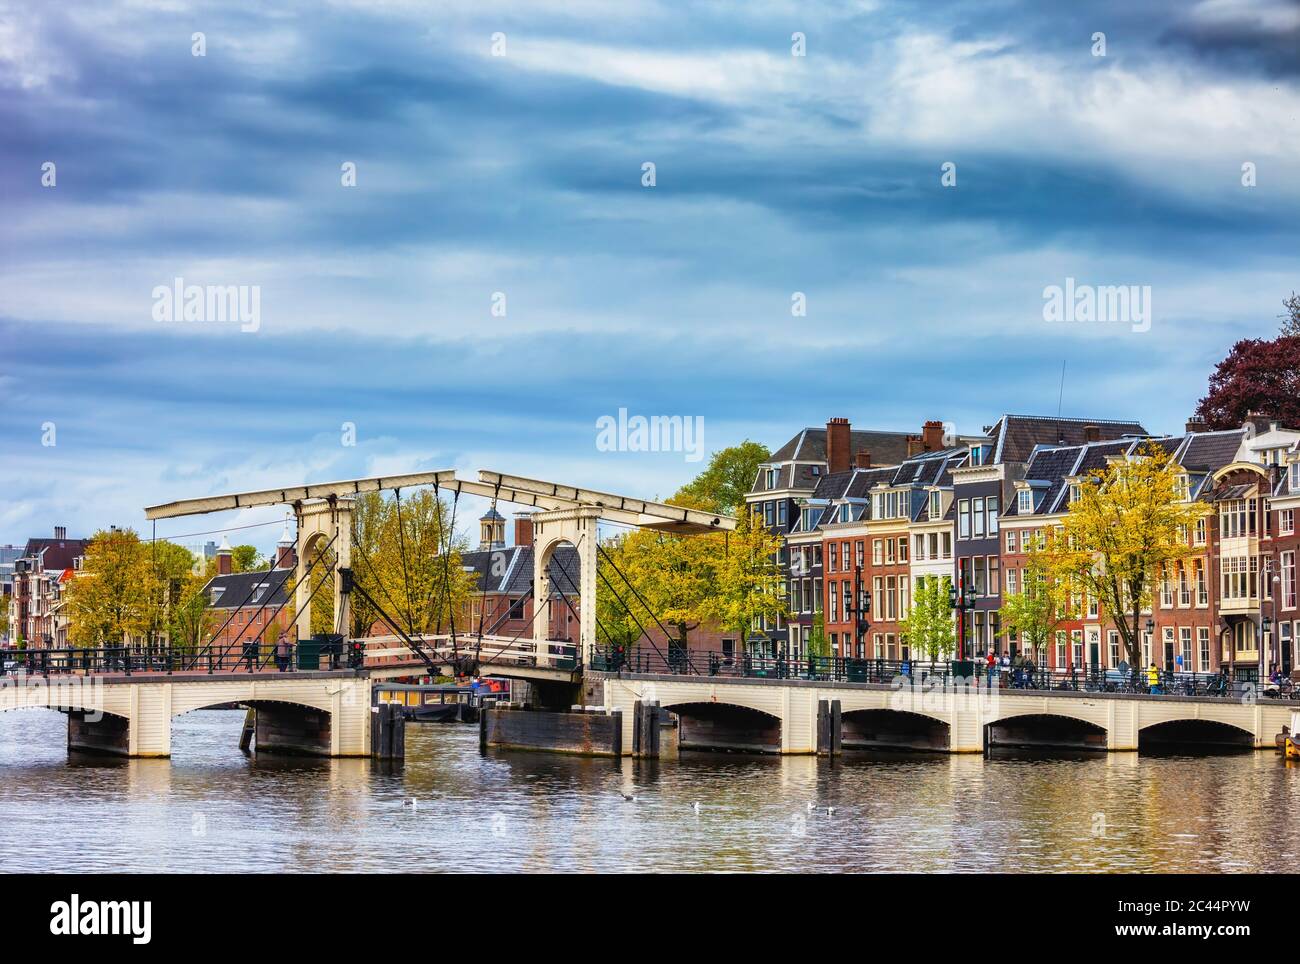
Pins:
x: 379, y: 584
x: 482, y: 609
x: 208, y: 648
x: 330, y: 567
x: 406, y: 576
x: 413, y: 642
x: 444, y: 593
x: 641, y: 599
x: 578, y: 592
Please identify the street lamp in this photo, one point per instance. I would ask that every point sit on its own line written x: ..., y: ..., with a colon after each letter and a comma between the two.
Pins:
x: 961, y: 599
x: 861, y: 606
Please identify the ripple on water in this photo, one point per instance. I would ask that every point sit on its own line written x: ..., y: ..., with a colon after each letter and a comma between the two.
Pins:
x: 211, y: 808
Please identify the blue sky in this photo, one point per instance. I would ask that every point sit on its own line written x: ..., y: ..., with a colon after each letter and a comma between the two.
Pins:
x: 522, y: 174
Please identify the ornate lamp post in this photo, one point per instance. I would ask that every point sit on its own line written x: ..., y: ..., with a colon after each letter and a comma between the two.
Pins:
x: 962, y: 599
x: 861, y: 606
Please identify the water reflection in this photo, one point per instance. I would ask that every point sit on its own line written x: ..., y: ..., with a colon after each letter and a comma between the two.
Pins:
x: 448, y: 808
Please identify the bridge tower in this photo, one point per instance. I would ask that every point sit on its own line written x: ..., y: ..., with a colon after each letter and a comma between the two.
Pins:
x: 318, y: 524
x: 575, y: 526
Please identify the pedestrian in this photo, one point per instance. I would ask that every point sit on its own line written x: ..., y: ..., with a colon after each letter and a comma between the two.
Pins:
x: 1153, y: 679
x: 282, y: 651
x: 992, y: 660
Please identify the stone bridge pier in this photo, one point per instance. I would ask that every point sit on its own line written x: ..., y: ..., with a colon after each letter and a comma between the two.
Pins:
x: 808, y: 716
x: 321, y: 714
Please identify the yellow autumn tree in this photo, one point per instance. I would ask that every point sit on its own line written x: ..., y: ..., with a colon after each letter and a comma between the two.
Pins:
x: 1128, y: 522
x: 112, y: 598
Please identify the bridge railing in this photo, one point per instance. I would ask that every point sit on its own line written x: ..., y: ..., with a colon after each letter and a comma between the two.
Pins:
x: 487, y: 650
x: 641, y: 659
x: 252, y: 656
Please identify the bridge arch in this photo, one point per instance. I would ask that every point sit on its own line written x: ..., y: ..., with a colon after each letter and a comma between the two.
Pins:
x: 1198, y: 734
x: 727, y: 727
x: 890, y: 729
x: 1045, y: 731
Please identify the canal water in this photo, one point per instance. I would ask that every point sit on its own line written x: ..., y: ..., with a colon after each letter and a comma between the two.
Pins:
x: 211, y: 808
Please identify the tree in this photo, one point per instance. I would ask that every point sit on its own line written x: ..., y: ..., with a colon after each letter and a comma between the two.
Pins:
x: 721, y: 487
x: 246, y: 558
x: 109, y: 601
x: 407, y: 557
x: 191, y: 620
x: 4, y: 620
x: 1042, y: 606
x: 929, y: 625
x: 1291, y: 317
x: 749, y: 585
x: 1257, y: 376
x: 817, y: 644
x: 1128, y: 523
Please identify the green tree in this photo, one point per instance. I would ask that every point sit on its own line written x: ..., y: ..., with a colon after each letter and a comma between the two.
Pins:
x: 749, y: 584
x: 817, y: 644
x: 929, y: 625
x: 1128, y: 523
x: 721, y: 487
x: 112, y: 597
x: 1040, y: 609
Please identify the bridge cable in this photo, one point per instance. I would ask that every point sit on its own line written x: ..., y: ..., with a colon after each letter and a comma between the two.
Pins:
x: 247, y: 598
x: 406, y: 576
x: 482, y: 609
x: 610, y: 559
x: 312, y: 595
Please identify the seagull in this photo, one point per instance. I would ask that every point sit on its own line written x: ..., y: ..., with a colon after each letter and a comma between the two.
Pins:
x: 830, y: 811
x: 412, y: 803
x: 810, y: 807
x: 696, y: 806
x: 627, y: 796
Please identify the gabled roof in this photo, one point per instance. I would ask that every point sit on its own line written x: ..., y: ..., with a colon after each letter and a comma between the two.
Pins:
x: 1014, y: 436
x: 57, y: 553
x: 236, y: 587
x: 887, y: 448
x: 510, y: 570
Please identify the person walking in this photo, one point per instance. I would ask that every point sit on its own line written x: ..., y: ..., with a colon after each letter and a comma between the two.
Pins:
x: 282, y: 651
x: 1153, y: 679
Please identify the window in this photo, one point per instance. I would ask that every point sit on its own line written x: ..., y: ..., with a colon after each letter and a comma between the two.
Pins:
x: 1185, y: 647
x: 773, y: 478
x: 1025, y: 502
x: 993, y: 517
x: 902, y: 549
x: 781, y: 516
x: 877, y: 552
x: 1112, y: 639
x: 1184, y: 588
x: 947, y: 545
x: 1011, y: 540
x: 1199, y: 538
x: 977, y: 515
x: 1202, y: 591
x: 769, y: 513
x: 1013, y: 581
x: 846, y: 594
x: 889, y: 552
x: 1237, y: 518
x: 1288, y: 580
x: 994, y: 587
x: 936, y: 505
x: 1240, y: 574
x: 1203, y: 644
x: 1286, y: 522
x: 832, y: 557
x: 835, y: 600
x: 918, y: 552
x: 858, y: 553
x: 963, y: 519
x: 844, y: 555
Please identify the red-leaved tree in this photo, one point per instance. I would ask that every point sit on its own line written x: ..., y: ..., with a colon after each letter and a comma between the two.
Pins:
x: 1257, y: 376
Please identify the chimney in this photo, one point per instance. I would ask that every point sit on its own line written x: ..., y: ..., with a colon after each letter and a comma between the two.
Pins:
x: 60, y: 532
x: 225, y: 559
x: 1195, y: 424
x: 838, y: 441
x: 915, y: 446
x: 523, y: 528
x: 863, y: 459
x: 284, y: 553
x: 932, y: 436
x: 1260, y: 421
x: 1092, y: 433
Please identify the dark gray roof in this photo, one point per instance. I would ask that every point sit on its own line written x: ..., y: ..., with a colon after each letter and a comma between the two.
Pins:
x: 238, y: 587
x: 1014, y: 436
x: 1210, y: 451
x: 510, y: 570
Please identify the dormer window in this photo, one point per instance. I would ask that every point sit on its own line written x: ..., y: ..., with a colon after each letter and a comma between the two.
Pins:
x: 977, y: 455
x: 936, y: 505
x: 216, y: 594
x: 1025, y: 502
x: 1074, y: 492
x: 773, y: 478
x: 1295, y: 477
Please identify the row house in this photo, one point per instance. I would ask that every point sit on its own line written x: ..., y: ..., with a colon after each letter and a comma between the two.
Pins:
x: 40, y: 576
x: 1284, y: 548
x: 250, y: 608
x: 981, y: 487
x: 1207, y: 610
x: 789, y: 478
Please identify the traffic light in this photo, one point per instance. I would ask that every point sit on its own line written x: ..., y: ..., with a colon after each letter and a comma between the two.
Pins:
x: 356, y: 654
